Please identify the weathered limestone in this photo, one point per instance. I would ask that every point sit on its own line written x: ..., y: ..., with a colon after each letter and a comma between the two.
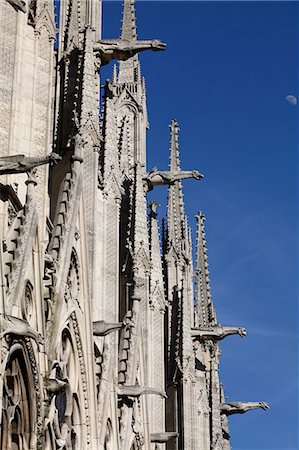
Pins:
x: 216, y: 332
x: 21, y: 163
x: 101, y: 345
x: 241, y: 407
x: 122, y: 49
x: 158, y: 178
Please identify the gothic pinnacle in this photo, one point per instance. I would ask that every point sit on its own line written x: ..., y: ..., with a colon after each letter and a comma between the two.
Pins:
x: 208, y: 328
x: 128, y: 29
x: 174, y: 156
x: 204, y: 306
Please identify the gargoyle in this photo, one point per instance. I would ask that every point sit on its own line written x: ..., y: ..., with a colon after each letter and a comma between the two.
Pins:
x: 160, y: 438
x: 153, y: 208
x: 102, y: 328
x: 158, y: 178
x: 18, y: 5
x: 53, y: 384
x: 19, y: 327
x: 241, y: 407
x: 216, y: 332
x: 21, y: 163
x: 137, y: 390
x: 122, y: 49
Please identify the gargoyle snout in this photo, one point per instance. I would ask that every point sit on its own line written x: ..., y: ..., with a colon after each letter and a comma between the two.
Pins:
x: 158, y: 45
x: 55, y: 157
x: 197, y: 175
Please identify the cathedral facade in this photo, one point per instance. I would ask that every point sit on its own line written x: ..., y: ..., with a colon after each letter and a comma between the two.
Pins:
x: 105, y: 344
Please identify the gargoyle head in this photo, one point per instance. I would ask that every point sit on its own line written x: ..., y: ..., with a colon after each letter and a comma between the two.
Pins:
x: 264, y: 405
x: 197, y: 175
x: 242, y: 332
x: 39, y: 338
x: 157, y: 45
x: 54, y: 157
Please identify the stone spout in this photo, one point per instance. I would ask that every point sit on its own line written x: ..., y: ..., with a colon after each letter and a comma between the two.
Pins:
x: 161, y: 438
x: 122, y: 49
x: 21, y: 163
x: 137, y: 390
x: 241, y: 407
x: 102, y: 328
x: 216, y: 333
x: 19, y: 327
x: 159, y: 178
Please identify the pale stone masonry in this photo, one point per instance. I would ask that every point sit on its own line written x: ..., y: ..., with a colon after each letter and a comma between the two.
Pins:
x: 104, y: 344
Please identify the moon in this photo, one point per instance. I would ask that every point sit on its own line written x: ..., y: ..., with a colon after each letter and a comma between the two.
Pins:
x: 292, y: 100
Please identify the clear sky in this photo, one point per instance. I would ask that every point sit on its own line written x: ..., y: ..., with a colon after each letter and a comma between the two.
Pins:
x: 224, y: 76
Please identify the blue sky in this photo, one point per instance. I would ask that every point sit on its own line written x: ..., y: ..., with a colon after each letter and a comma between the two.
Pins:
x: 224, y: 76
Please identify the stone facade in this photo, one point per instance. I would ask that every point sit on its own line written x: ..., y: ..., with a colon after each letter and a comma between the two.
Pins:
x: 101, y: 344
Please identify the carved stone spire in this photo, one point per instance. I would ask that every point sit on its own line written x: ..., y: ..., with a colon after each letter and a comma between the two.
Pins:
x: 204, y: 307
x: 128, y: 29
x: 177, y: 230
x: 129, y: 71
x: 139, y: 219
x: 156, y: 279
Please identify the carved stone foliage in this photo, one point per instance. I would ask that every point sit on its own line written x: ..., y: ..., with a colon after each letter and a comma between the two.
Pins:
x: 20, y: 426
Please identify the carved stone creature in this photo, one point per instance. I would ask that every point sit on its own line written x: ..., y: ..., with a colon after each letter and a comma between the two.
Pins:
x: 122, y: 49
x: 160, y: 438
x: 21, y: 163
x: 18, y: 5
x: 158, y: 178
x: 137, y: 390
x: 102, y: 328
x: 19, y: 327
x: 216, y: 333
x: 241, y: 407
x: 54, y: 385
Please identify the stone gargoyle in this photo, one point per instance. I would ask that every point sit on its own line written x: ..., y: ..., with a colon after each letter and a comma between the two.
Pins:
x: 102, y: 328
x: 21, y: 163
x: 53, y: 384
x: 216, y: 332
x: 19, y: 327
x: 122, y: 49
x: 241, y: 407
x: 159, y: 178
x: 137, y: 390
